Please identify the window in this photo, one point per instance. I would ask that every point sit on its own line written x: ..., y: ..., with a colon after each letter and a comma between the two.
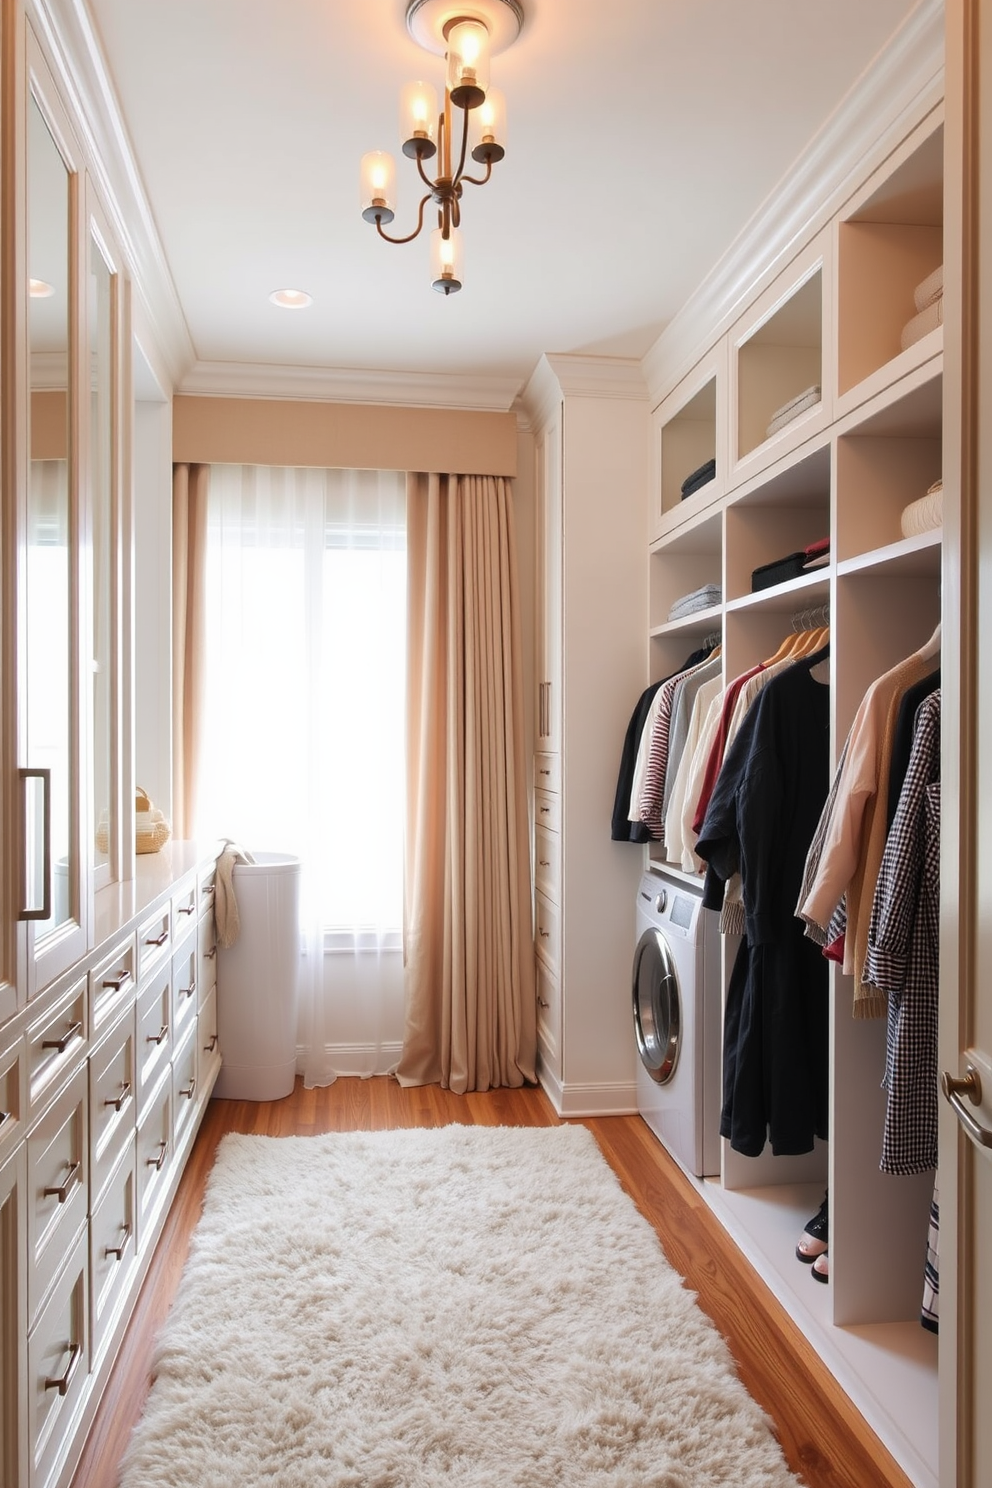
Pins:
x: 304, y: 684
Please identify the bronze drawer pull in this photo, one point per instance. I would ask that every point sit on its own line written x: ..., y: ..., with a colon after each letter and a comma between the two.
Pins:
x: 120, y: 980
x: 188, y: 1092
x: 156, y: 1162
x: 187, y: 991
x: 118, y: 1250
x: 542, y: 1003
x: 118, y: 1101
x: 544, y: 862
x: 187, y: 909
x: 158, y: 940
x: 209, y: 1048
x: 208, y: 889
x: 62, y: 1192
x: 543, y: 933
x: 65, y: 1380
x: 209, y: 955
x: 545, y: 810
x: 61, y: 1044
x: 156, y: 1038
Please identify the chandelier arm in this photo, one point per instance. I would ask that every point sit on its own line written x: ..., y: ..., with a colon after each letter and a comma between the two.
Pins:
x: 410, y: 236
x: 464, y: 150
x: 423, y: 175
x: 478, y: 180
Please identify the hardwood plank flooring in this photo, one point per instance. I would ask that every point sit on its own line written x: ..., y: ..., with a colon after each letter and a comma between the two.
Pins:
x: 824, y: 1438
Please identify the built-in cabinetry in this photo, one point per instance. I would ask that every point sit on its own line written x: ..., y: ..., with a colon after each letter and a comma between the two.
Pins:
x: 859, y: 449
x: 590, y: 422
x: 108, y: 1027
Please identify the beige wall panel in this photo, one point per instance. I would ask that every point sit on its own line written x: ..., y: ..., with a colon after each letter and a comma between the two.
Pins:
x: 353, y: 436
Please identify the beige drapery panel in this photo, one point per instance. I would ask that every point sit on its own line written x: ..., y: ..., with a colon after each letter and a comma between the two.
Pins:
x: 470, y: 1015
x: 189, y: 550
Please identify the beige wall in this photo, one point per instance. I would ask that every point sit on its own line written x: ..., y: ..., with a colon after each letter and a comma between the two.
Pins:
x: 353, y: 436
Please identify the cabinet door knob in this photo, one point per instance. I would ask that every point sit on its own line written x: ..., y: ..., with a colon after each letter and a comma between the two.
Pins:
x: 61, y: 1044
x: 64, y: 1380
x: 954, y: 1087
x: 118, y: 1250
x: 118, y: 1101
x: 63, y: 1190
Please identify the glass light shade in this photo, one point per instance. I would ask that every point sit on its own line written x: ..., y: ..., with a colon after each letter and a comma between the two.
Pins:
x: 468, y: 63
x: 488, y: 128
x: 378, y: 176
x: 446, y: 261
x: 418, y: 120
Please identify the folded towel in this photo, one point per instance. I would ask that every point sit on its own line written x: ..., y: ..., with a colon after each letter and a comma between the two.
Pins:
x: 700, y: 477
x: 226, y: 918
x: 814, y: 549
x: 921, y: 325
x: 808, y: 398
x: 928, y: 290
x: 700, y: 599
x: 926, y: 514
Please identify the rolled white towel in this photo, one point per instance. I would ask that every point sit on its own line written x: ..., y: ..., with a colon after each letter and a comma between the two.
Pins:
x: 929, y: 288
x: 921, y: 325
x: 926, y: 514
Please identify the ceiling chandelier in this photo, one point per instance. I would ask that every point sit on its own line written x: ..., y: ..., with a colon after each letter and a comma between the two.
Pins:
x: 472, y: 122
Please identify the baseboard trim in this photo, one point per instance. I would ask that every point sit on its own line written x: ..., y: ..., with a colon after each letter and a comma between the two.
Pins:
x: 588, y: 1100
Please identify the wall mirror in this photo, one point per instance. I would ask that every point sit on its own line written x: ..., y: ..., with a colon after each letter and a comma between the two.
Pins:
x: 49, y: 581
x: 100, y: 327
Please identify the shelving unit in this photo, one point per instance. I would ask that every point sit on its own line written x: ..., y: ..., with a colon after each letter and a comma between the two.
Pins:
x: 845, y: 469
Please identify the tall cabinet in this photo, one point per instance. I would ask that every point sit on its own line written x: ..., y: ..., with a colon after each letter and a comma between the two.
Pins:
x: 833, y: 314
x: 590, y: 421
x: 108, y: 1033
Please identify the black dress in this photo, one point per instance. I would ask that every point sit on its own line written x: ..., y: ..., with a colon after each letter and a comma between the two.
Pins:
x: 760, y: 821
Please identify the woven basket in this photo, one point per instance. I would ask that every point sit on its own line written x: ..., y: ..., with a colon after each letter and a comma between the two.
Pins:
x: 151, y: 830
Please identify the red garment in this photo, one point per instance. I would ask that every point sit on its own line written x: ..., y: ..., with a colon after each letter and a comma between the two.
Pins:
x: 715, y: 758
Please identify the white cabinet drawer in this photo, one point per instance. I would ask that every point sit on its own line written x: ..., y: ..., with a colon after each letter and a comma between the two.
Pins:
x: 183, y: 908
x: 154, y: 940
x: 112, y: 1245
x: 154, y: 1153
x: 547, y: 773
x: 112, y: 1099
x: 547, y: 931
x: 547, y: 863
x: 206, y: 969
x: 112, y: 981
x: 185, y: 1072
x: 206, y: 890
x: 184, y: 1001
x: 154, y: 1032
x: 55, y: 1042
x: 209, y: 1040
x: 547, y: 811
x: 548, y: 993
x: 57, y: 1186
x: 58, y: 1365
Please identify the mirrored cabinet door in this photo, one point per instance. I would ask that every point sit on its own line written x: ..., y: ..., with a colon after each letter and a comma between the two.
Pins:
x: 53, y: 891
x: 101, y: 323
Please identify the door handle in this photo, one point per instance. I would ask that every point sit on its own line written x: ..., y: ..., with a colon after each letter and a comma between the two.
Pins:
x: 44, y: 911
x: 954, y: 1088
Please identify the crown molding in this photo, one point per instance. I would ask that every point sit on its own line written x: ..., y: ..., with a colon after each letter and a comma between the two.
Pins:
x: 67, y: 37
x: 897, y: 90
x: 565, y: 374
x: 350, y: 385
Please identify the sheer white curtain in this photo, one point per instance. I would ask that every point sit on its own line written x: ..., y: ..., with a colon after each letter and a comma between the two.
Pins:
x: 303, y: 737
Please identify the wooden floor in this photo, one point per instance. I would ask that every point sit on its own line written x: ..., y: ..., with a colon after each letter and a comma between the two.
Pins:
x: 823, y: 1437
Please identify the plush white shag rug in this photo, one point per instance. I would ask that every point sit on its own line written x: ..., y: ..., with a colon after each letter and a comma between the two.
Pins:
x: 470, y: 1306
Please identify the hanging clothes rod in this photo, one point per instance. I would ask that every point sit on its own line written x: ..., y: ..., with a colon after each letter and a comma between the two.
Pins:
x: 813, y: 619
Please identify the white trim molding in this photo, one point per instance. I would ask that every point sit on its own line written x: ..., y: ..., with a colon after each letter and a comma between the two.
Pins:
x: 350, y: 385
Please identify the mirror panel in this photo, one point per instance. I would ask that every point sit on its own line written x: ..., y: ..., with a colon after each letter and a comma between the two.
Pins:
x: 48, y: 575
x: 100, y: 285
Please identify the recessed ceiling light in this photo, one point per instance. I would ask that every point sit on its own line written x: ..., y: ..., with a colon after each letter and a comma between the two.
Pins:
x: 39, y: 290
x: 290, y: 299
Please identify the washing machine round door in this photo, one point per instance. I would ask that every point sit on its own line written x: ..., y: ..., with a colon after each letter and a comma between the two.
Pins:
x: 657, y: 1006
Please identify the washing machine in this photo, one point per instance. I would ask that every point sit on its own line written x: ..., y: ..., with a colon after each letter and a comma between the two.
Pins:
x: 676, y: 987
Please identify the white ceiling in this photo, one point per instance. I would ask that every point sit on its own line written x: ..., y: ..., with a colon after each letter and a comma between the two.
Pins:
x: 642, y: 135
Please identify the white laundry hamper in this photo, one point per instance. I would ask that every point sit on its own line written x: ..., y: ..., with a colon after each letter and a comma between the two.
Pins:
x: 258, y: 982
